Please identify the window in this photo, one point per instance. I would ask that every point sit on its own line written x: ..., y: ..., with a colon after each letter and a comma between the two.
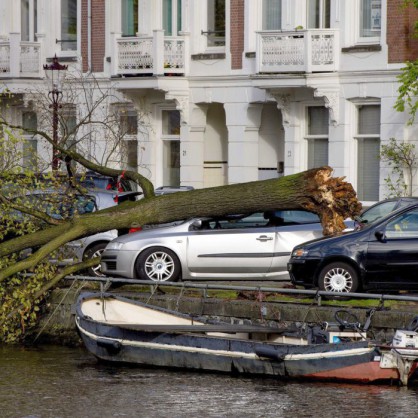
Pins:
x: 272, y: 14
x: 129, y: 17
x: 368, y: 167
x: 171, y: 122
x: 129, y: 122
x: 216, y: 23
x: 404, y: 226
x: 370, y: 18
x: 69, y: 25
x: 30, y: 142
x: 318, y: 14
x: 318, y: 125
x: 130, y: 154
x: 171, y: 17
x: 129, y: 144
x: 29, y: 9
x: 171, y: 147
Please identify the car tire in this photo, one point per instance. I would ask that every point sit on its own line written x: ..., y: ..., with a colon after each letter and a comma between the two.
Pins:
x: 338, y: 277
x: 91, y: 252
x: 158, y: 264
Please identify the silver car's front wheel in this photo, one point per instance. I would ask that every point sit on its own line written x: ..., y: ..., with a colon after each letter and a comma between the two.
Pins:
x: 92, y: 252
x: 158, y: 264
x: 338, y: 277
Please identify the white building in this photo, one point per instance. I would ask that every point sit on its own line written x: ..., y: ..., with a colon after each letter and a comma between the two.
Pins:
x: 234, y: 90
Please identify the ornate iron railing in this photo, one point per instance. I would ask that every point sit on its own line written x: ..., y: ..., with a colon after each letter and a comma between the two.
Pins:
x: 20, y: 59
x: 312, y: 50
x: 139, y: 55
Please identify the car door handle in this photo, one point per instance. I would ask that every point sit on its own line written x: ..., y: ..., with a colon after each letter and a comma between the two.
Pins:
x: 264, y: 238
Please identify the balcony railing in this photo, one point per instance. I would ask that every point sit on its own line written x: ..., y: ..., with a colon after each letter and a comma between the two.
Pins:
x: 20, y: 59
x: 314, y: 50
x: 156, y: 55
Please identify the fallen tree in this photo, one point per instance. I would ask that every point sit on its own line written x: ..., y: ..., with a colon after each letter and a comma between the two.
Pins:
x: 315, y: 190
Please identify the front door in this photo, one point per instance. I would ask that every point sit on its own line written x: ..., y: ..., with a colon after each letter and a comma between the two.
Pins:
x: 231, y: 251
x: 393, y: 260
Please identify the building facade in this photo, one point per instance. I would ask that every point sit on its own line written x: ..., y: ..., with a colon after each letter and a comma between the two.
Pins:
x: 225, y: 91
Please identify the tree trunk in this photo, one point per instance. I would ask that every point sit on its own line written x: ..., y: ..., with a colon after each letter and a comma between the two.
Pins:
x: 314, y: 190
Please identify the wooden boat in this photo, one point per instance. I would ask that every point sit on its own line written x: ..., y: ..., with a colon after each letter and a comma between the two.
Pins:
x: 118, y: 329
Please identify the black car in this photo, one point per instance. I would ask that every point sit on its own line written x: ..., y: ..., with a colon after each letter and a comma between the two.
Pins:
x: 383, y: 255
x: 384, y: 207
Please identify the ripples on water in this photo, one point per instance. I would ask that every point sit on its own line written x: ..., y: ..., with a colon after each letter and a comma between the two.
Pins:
x: 63, y: 382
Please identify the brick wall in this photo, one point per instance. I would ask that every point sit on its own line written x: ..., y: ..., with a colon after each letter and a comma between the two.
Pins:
x: 400, y: 31
x: 97, y: 34
x: 237, y: 33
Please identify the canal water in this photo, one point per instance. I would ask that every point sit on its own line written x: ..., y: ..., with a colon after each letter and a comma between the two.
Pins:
x: 66, y: 382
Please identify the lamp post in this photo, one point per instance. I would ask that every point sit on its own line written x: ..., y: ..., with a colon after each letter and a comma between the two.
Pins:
x: 55, y: 73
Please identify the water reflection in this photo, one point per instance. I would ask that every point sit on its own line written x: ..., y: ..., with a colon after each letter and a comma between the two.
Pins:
x: 62, y: 382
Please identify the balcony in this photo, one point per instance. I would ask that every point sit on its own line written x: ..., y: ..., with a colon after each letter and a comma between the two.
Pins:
x: 20, y: 59
x: 156, y: 55
x: 301, y: 51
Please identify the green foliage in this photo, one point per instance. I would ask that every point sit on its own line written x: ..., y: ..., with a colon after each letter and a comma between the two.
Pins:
x: 20, y: 306
x: 401, y: 157
x: 408, y: 90
x: 27, y: 202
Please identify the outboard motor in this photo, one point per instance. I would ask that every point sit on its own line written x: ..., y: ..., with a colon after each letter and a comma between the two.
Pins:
x: 405, y: 339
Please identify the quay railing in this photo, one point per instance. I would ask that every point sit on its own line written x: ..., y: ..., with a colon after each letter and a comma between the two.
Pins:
x: 315, y: 294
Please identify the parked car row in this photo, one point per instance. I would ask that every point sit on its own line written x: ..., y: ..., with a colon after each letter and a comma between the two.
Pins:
x: 381, y: 252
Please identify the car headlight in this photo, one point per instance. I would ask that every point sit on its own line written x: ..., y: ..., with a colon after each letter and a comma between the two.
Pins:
x: 300, y: 252
x: 114, y: 245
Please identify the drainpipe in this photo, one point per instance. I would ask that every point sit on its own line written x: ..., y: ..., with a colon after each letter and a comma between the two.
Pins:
x: 89, y: 35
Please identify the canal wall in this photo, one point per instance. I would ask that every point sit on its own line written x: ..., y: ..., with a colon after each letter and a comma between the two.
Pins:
x: 58, y: 324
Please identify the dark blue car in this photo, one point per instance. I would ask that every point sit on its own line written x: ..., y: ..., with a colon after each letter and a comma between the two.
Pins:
x: 382, y: 255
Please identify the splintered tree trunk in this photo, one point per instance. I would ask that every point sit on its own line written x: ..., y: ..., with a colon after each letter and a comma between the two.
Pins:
x: 315, y: 190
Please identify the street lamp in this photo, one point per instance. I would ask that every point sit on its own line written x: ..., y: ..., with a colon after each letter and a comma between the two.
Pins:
x: 55, y: 73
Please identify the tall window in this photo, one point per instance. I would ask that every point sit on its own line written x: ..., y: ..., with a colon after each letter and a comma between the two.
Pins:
x: 318, y: 126
x: 171, y: 17
x: 272, y: 14
x: 29, y: 15
x: 30, y: 142
x: 69, y: 25
x: 129, y: 144
x: 216, y: 22
x: 370, y: 18
x: 171, y: 147
x: 129, y: 17
x: 319, y: 14
x: 368, y: 167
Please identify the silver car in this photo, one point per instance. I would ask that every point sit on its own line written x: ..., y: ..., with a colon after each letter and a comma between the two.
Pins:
x: 235, y: 247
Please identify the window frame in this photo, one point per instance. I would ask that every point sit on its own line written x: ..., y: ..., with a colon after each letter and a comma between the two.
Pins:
x: 77, y: 40
x: 263, y: 11
x: 321, y: 13
x: 30, y: 20
x: 175, y: 18
x: 165, y: 140
x: 364, y: 137
x: 312, y: 137
x: 30, y: 143
x: 205, y: 32
x: 359, y: 24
